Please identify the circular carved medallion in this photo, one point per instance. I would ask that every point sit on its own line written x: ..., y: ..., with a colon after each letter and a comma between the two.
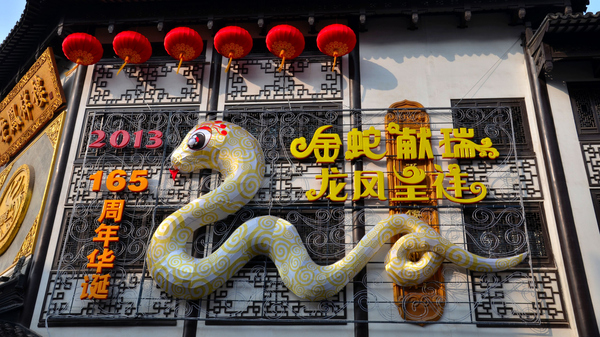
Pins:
x: 13, y: 205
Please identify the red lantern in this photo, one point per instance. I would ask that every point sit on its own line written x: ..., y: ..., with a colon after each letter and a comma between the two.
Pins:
x: 285, y: 42
x: 83, y: 49
x: 336, y: 40
x: 183, y: 44
x: 132, y: 47
x: 233, y: 42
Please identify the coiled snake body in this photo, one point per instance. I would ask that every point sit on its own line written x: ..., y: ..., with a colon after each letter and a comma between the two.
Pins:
x: 234, y: 152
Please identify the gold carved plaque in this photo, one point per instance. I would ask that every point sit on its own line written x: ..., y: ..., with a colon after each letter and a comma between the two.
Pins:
x: 424, y: 302
x: 13, y: 205
x: 30, y: 105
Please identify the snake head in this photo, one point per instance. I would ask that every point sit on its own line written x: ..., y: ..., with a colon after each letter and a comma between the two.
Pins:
x: 200, y: 147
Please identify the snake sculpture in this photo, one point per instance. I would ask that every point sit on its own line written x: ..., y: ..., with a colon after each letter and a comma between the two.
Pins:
x: 235, y: 153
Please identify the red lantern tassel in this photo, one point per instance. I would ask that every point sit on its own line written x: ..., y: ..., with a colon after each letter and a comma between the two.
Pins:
x: 180, y: 60
x: 124, y: 64
x: 335, y: 55
x: 281, y: 54
x: 73, y: 69
x: 229, y: 63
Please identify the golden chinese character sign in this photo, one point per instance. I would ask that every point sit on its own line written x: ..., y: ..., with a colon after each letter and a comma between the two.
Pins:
x: 30, y: 105
x: 411, y: 144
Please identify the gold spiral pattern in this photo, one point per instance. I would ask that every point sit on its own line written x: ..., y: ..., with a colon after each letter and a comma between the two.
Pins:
x: 238, y: 156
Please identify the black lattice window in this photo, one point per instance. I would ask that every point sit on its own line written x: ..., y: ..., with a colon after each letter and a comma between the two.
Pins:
x: 322, y: 230
x: 494, y: 231
x: 585, y: 101
x: 277, y: 125
x: 519, y: 297
x: 472, y: 113
x: 126, y: 277
x: 596, y: 201
x: 264, y: 295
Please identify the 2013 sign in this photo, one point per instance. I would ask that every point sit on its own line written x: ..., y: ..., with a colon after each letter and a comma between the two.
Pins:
x: 119, y: 139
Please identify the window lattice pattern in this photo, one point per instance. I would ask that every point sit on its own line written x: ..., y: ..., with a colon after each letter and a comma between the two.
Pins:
x: 504, y: 297
x: 585, y: 100
x: 304, y: 79
x: 475, y: 114
x: 256, y: 294
x: 147, y: 84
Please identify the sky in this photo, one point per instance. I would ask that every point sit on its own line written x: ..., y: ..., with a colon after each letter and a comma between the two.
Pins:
x: 12, y: 10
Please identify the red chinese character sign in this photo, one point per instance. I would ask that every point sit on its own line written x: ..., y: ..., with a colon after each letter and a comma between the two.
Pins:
x: 97, y: 287
x: 101, y: 261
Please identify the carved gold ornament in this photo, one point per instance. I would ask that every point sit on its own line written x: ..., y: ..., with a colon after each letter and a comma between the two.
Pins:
x: 13, y: 205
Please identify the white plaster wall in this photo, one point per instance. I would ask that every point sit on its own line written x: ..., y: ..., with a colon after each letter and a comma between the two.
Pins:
x: 574, y: 166
x: 433, y: 65
x: 439, y: 62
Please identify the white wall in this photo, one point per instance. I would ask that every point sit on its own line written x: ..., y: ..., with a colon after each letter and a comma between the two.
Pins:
x: 435, y: 64
x: 574, y: 167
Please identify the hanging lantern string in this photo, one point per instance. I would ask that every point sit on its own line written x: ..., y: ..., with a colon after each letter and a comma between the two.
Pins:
x: 229, y: 63
x: 180, y: 60
x: 75, y: 67
x: 281, y: 54
x: 124, y: 64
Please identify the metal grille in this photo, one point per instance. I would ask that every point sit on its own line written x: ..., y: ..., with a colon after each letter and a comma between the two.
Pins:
x: 585, y: 100
x: 475, y: 114
x: 494, y: 231
x: 256, y: 295
x: 146, y: 84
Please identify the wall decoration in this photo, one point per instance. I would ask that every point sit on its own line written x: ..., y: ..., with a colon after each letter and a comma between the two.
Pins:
x: 336, y: 41
x: 237, y: 155
x: 30, y: 105
x: 425, y: 302
x: 183, y: 44
x: 285, y: 42
x: 132, y: 47
x: 233, y: 42
x: 257, y: 293
x: 23, y: 190
x: 14, y: 203
x: 82, y: 49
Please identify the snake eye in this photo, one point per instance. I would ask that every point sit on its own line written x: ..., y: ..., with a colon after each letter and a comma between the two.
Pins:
x: 199, y: 139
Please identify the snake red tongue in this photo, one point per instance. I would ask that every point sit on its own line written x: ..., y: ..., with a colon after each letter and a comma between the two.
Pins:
x: 237, y: 155
x: 174, y: 172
